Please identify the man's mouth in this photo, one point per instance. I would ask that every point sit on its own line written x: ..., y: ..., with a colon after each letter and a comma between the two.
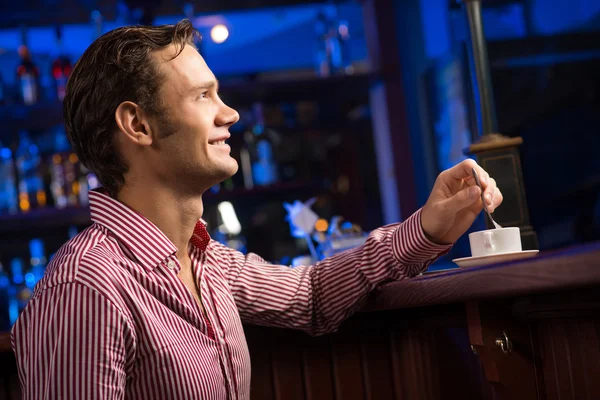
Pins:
x: 217, y: 142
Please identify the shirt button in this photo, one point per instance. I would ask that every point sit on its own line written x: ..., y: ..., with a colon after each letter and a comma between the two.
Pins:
x: 171, y: 264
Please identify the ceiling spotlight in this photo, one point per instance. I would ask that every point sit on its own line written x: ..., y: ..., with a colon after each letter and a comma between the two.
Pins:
x: 219, y: 33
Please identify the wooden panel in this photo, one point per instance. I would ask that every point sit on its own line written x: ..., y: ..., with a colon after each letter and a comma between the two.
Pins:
x: 431, y: 354
x: 261, y: 385
x: 407, y: 354
x: 514, y: 374
x: 460, y: 368
x: 377, y: 367
x: 347, y: 366
x: 570, y: 353
x: 318, y: 373
x: 286, y: 359
x: 412, y: 355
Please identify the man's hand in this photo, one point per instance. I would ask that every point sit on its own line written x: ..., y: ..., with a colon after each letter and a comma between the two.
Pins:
x: 455, y: 202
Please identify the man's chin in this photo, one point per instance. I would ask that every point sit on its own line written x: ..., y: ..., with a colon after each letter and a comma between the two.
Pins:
x: 229, y: 170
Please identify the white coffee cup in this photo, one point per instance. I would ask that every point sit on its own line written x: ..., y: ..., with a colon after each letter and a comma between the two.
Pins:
x: 495, y: 241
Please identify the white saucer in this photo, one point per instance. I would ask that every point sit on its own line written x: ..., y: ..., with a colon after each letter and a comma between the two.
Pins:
x: 494, y: 259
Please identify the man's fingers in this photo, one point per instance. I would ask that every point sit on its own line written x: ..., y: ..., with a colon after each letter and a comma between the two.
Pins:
x: 490, y: 192
x: 498, y: 198
x: 461, y: 200
x: 464, y: 171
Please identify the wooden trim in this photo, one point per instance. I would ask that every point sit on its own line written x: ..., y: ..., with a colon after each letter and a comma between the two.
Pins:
x: 567, y: 269
x: 495, y: 143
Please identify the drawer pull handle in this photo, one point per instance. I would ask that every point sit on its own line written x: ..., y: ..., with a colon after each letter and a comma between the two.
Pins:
x: 505, y: 344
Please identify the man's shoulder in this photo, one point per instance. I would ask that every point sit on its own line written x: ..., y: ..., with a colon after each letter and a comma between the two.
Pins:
x: 88, y: 266
x: 90, y: 256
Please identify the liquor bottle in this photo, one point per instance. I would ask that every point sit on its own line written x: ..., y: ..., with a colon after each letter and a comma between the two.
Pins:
x: 30, y: 187
x: 57, y: 182
x: 54, y: 162
x: 321, y: 55
x: 20, y: 293
x: 27, y: 73
x: 343, y: 37
x: 28, y: 77
x: 246, y: 160
x: 8, y: 187
x: 72, y: 187
x: 264, y: 167
x: 37, y: 262
x: 61, y: 67
x: 333, y: 43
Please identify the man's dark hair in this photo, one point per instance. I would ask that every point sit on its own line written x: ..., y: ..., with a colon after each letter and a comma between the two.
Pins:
x: 117, y: 67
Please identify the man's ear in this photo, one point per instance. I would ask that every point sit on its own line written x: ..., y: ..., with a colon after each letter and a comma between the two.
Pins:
x: 133, y: 123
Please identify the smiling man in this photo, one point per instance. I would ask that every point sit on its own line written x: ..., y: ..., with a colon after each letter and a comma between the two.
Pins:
x: 143, y: 304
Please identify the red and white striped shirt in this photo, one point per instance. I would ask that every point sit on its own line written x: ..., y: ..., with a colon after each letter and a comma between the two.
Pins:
x: 111, y: 319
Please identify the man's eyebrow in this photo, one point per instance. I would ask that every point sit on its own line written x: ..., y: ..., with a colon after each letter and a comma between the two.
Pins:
x: 205, y: 86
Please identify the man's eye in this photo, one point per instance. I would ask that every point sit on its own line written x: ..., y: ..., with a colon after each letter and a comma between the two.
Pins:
x: 203, y: 95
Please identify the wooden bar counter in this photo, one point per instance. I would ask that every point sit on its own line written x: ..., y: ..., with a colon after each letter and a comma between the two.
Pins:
x: 521, y: 330
x: 435, y: 337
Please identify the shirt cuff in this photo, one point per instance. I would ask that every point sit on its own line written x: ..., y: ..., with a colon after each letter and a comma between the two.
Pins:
x: 410, y: 246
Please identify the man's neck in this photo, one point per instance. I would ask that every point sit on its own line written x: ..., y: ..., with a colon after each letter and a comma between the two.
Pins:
x: 174, y: 214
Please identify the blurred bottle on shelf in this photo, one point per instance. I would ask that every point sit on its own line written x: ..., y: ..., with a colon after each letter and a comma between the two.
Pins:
x: 31, y: 190
x: 73, y: 180
x: 37, y: 262
x: 264, y: 166
x: 8, y: 184
x: 19, y: 292
x: 28, y: 74
x: 245, y: 160
x: 264, y: 169
x: 68, y: 180
x: 343, y: 32
x: 28, y: 77
x: 57, y: 183
x: 333, y: 34
x: 61, y: 67
x: 72, y: 183
x: 288, y: 148
x: 60, y: 147
x: 323, y: 64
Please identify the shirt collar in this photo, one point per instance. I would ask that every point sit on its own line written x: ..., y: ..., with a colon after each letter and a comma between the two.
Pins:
x: 147, y: 243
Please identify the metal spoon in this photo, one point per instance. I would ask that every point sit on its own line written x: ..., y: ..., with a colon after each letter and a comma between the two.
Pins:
x: 496, y: 225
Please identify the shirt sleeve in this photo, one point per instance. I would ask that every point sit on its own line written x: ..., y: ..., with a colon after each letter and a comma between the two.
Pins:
x: 70, y: 343
x: 318, y: 298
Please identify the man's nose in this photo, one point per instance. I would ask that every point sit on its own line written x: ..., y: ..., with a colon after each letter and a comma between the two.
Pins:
x: 227, y: 116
